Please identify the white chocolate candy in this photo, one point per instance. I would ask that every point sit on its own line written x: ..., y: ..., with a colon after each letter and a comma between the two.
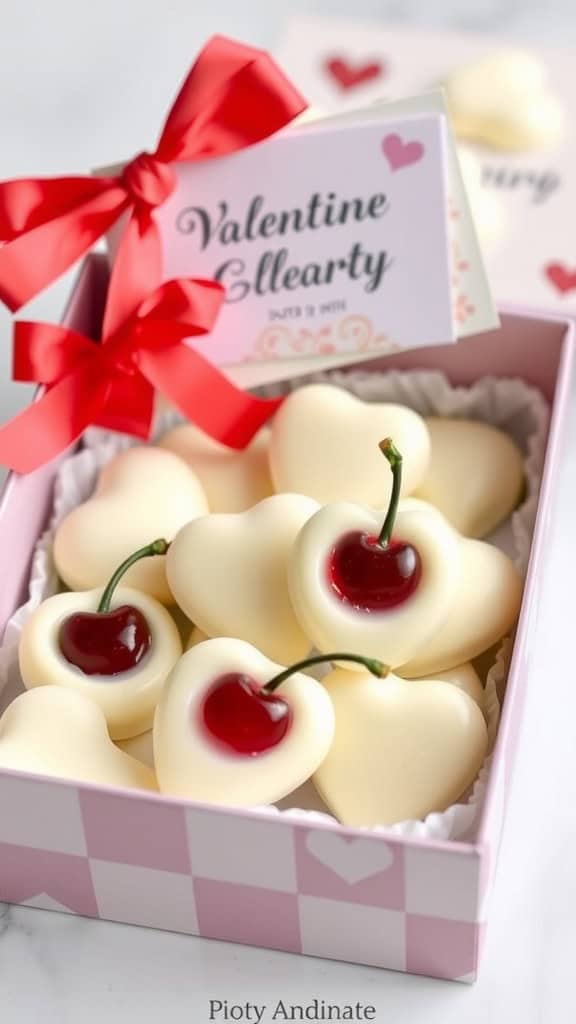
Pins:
x: 393, y: 636
x: 325, y: 443
x: 229, y: 574
x: 503, y: 100
x: 485, y: 610
x: 465, y: 677
x: 232, y: 480
x: 486, y: 206
x: 475, y: 476
x: 191, y: 763
x: 401, y: 749
x: 141, y: 747
x: 55, y: 731
x: 128, y: 700
x: 142, y: 493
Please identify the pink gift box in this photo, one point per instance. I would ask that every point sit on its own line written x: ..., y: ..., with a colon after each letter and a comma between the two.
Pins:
x: 410, y: 904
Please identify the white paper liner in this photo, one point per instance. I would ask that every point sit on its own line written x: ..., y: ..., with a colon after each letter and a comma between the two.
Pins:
x: 506, y: 403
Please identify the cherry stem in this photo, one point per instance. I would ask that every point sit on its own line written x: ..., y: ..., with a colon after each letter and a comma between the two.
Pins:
x: 390, y: 452
x: 157, y: 547
x: 377, y: 668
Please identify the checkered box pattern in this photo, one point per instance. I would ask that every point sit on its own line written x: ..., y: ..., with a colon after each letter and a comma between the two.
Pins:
x: 242, y: 877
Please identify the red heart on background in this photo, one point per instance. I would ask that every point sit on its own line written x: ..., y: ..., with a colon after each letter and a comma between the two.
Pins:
x: 348, y: 76
x: 563, y: 280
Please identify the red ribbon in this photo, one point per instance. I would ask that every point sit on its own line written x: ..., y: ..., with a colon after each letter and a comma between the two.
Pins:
x: 112, y: 384
x: 233, y: 97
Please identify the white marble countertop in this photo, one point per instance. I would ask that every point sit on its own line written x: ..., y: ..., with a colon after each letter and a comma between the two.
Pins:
x: 81, y: 85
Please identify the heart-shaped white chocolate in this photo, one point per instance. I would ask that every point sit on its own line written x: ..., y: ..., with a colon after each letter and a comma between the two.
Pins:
x: 142, y: 493
x: 191, y: 762
x: 232, y: 480
x: 475, y: 476
x: 465, y: 677
x: 140, y: 747
x: 503, y: 100
x: 128, y: 700
x: 401, y: 749
x: 485, y: 610
x: 229, y: 574
x: 392, y: 635
x: 55, y: 731
x: 325, y: 443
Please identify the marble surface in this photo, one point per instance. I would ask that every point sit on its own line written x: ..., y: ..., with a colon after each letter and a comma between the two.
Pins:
x: 80, y: 86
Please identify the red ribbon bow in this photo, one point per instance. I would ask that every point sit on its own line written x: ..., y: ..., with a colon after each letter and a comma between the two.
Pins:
x: 233, y: 97
x: 112, y: 384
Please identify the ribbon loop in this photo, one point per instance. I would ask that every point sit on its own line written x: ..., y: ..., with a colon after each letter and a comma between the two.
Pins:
x: 148, y: 179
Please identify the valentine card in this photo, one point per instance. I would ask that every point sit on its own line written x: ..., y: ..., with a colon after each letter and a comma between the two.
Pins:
x: 333, y: 240
x: 523, y: 201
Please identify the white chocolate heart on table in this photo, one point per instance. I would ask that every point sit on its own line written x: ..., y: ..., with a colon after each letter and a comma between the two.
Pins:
x: 401, y: 749
x: 141, y: 493
x: 503, y: 100
x: 325, y: 441
x: 191, y: 762
x: 56, y: 731
x: 228, y: 572
x: 127, y: 700
x: 233, y: 480
x: 485, y: 610
x: 392, y: 635
x: 475, y: 476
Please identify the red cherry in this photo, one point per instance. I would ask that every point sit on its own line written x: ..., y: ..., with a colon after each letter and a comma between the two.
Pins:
x: 242, y: 717
x: 105, y: 643
x: 370, y: 577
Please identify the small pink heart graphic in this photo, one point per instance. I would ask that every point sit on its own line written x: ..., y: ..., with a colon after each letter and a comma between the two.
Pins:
x: 401, y: 154
x: 563, y: 280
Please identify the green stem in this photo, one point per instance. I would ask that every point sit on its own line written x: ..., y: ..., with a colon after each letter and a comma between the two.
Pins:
x: 390, y: 452
x: 157, y: 547
x: 377, y: 668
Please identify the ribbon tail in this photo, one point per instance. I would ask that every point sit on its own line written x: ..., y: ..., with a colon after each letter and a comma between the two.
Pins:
x: 136, y: 273
x: 53, y: 422
x: 30, y: 262
x: 206, y: 396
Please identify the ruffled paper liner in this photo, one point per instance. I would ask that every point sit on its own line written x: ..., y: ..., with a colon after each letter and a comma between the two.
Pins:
x: 510, y: 404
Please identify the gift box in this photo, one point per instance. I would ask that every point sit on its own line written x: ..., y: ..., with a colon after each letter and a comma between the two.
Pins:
x: 288, y: 882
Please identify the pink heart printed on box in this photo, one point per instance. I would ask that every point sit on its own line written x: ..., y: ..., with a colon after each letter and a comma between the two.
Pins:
x: 323, y: 222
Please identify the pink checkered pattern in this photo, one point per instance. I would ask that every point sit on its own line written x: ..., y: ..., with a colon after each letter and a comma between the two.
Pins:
x: 240, y: 877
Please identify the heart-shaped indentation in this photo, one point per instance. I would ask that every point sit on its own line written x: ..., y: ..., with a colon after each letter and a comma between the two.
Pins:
x: 564, y: 280
x: 349, y: 76
x: 401, y: 154
x: 352, y: 860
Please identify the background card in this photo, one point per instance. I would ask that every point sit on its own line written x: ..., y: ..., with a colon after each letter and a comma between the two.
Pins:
x: 341, y: 64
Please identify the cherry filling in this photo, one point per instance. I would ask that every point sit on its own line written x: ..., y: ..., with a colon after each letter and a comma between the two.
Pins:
x: 243, y: 717
x: 370, y: 577
x: 105, y: 643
